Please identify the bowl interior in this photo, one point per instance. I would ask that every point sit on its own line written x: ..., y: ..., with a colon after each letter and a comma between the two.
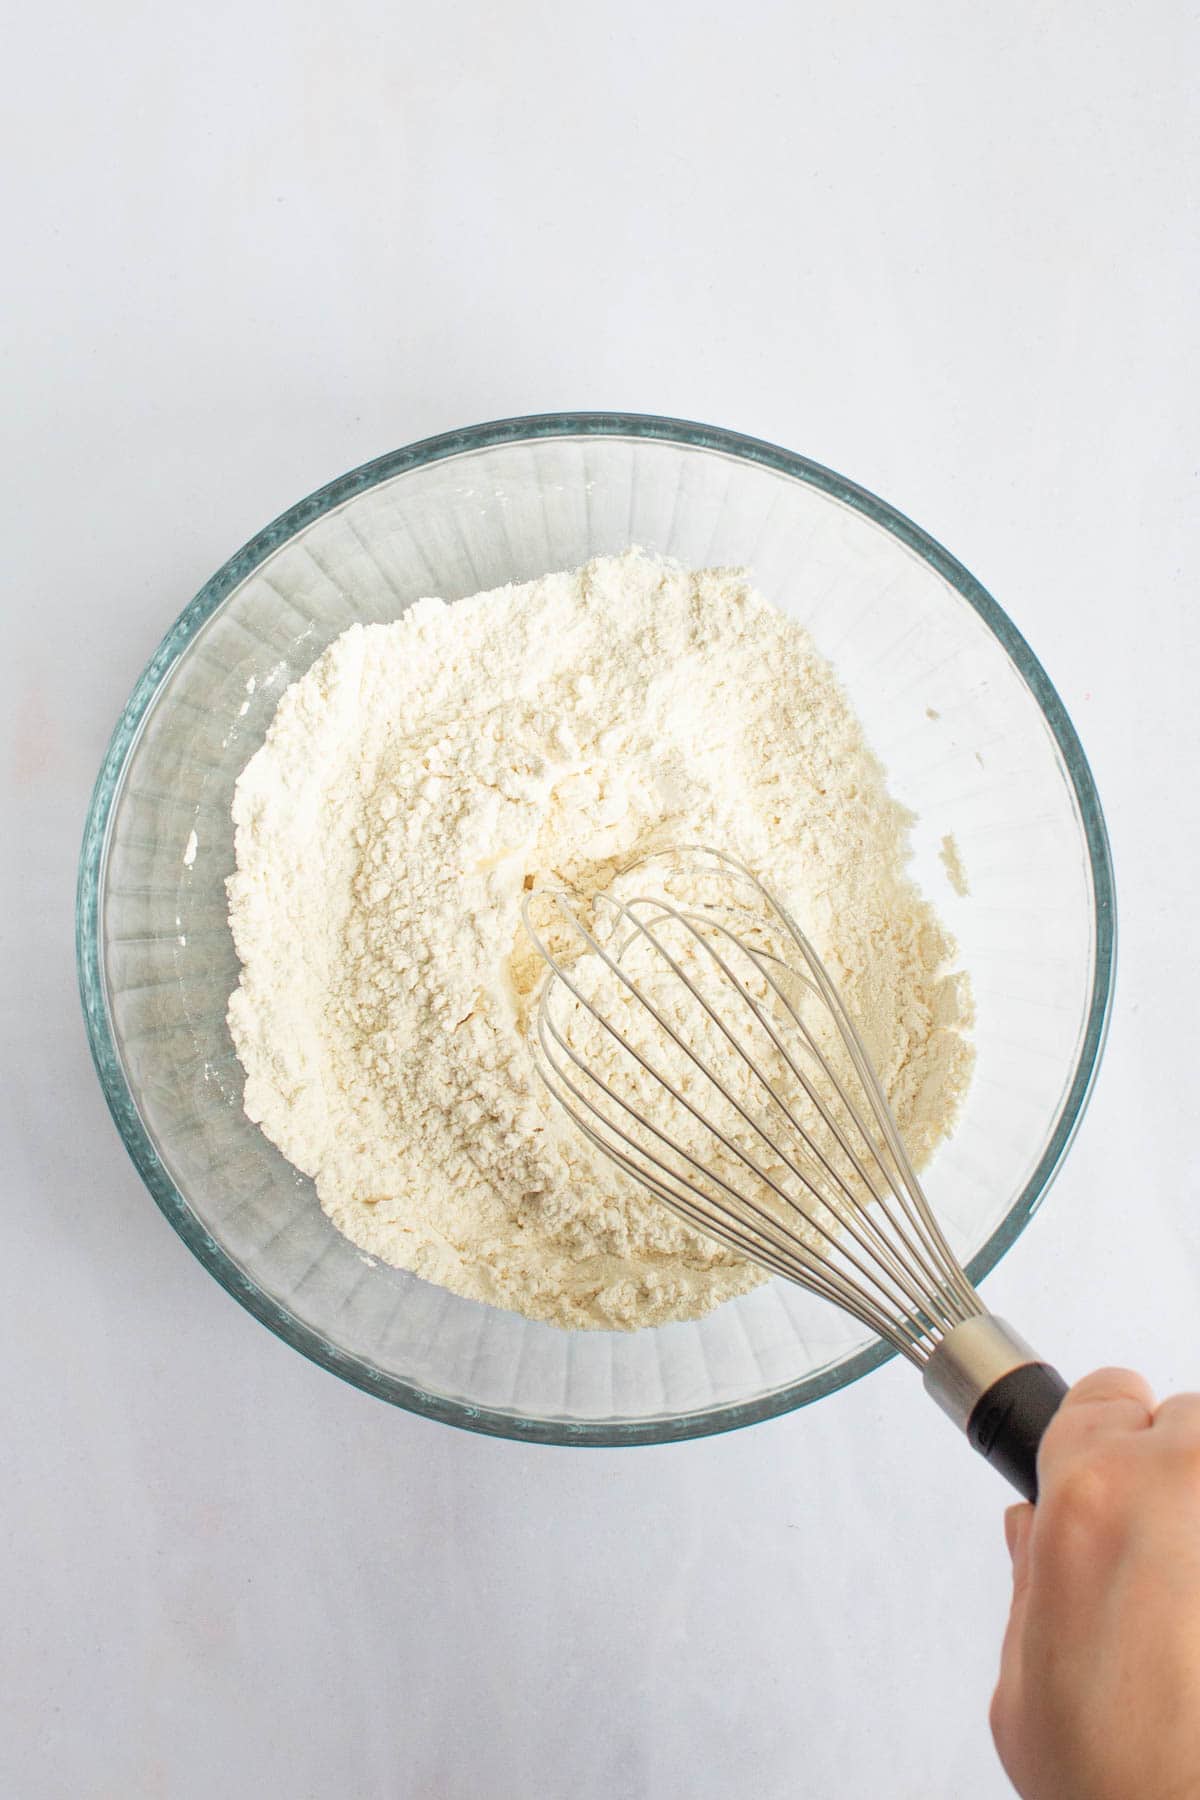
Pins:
x: 974, y: 741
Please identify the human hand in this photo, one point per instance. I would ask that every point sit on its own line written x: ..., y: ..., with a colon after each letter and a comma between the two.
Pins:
x: 1099, y: 1690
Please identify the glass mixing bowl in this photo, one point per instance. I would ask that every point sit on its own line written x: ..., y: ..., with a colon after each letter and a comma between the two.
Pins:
x: 971, y: 731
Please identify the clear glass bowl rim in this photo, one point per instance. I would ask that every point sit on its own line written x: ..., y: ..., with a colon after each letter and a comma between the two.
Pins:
x: 121, y: 1103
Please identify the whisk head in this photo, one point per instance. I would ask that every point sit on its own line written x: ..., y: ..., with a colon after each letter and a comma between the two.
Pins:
x: 689, y: 1030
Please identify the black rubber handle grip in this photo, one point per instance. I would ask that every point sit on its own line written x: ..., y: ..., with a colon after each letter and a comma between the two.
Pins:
x: 1009, y: 1421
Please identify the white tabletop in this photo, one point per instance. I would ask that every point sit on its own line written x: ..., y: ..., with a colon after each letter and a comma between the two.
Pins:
x: 947, y: 250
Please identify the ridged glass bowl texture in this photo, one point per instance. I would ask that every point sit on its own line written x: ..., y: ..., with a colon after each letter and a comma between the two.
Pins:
x: 974, y: 738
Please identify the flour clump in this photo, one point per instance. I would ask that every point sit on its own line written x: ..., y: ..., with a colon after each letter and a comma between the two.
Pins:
x: 418, y: 782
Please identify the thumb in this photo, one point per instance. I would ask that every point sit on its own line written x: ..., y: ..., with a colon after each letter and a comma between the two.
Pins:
x: 1007, y: 1701
x: 1018, y: 1528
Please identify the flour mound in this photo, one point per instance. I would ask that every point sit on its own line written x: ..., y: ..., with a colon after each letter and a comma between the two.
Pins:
x: 418, y: 782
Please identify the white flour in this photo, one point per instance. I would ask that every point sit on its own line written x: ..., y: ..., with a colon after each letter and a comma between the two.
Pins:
x: 417, y: 782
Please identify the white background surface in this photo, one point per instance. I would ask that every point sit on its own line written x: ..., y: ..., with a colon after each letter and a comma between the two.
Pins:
x: 951, y: 252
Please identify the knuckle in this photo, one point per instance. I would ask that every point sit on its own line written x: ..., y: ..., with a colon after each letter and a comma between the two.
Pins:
x: 1180, y: 1402
x: 1085, y: 1502
x: 1182, y: 1414
x: 1182, y: 1457
x: 1108, y: 1384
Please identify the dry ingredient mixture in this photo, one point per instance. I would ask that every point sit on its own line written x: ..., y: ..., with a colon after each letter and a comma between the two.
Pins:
x: 418, y: 782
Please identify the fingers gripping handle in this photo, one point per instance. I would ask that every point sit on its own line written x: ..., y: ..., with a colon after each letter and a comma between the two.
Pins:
x: 997, y: 1390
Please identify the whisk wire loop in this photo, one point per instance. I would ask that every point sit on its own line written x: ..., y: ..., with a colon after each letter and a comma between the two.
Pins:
x: 872, y: 1237
x: 762, y: 1237
x: 713, y: 1086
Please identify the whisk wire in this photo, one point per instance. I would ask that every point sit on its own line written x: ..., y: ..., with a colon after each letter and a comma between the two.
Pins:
x: 766, y: 1241
x: 895, y: 1292
x: 869, y: 1236
x: 879, y: 1191
x: 864, y: 1236
x: 910, y: 1194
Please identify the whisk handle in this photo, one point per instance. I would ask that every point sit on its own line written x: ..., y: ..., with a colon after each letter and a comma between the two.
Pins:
x: 999, y: 1392
x: 1008, y: 1422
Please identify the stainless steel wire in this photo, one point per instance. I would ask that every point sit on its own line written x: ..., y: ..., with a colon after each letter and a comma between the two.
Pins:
x: 694, y: 1037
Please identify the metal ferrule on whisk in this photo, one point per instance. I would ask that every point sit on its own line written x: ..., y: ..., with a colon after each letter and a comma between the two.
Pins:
x: 999, y: 1391
x: 970, y: 1360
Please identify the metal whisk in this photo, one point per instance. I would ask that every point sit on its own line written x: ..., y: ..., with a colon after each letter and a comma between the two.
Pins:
x: 692, y: 1034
